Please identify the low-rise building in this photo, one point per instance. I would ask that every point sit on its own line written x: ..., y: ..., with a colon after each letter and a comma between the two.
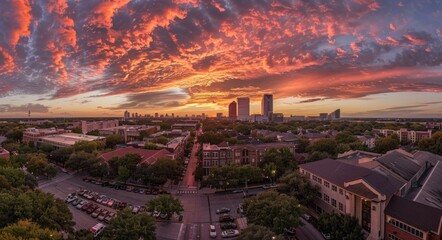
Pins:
x: 4, y: 153
x: 405, y: 135
x: 147, y: 156
x: 247, y: 154
x: 96, y: 125
x: 368, y: 141
x: 129, y: 132
x: 67, y: 139
x: 34, y: 134
x: 184, y: 126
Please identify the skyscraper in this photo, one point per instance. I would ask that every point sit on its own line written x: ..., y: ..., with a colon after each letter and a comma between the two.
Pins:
x: 243, y: 109
x: 267, y: 105
x: 232, y: 110
x: 126, y: 114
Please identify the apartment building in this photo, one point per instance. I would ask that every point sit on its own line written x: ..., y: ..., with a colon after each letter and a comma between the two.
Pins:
x: 129, y: 132
x: 247, y: 154
x: 96, y: 125
x: 375, y: 188
x: 405, y: 135
x: 67, y: 139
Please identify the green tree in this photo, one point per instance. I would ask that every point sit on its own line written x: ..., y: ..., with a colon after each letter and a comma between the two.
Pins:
x: 37, y: 164
x: 282, y: 158
x: 163, y: 169
x: 253, y: 232
x: 12, y: 177
x: 327, y: 145
x: 433, y: 144
x: 166, y: 204
x: 94, y: 133
x: 46, y: 148
x: 80, y: 160
x: 151, y: 146
x: 77, y: 130
x: 340, y: 226
x: 272, y: 210
x: 270, y: 171
x: 14, y: 135
x: 302, y: 145
x: 249, y: 173
x: 88, y: 147
x: 61, y: 155
x: 211, y: 137
x: 50, y: 171
x: 24, y: 229
x: 385, y: 144
x: 223, y: 177
x: 297, y: 185
x: 128, y: 226
x: 84, y: 234
x: 123, y: 173
x: 345, y: 137
x: 315, y: 156
x: 113, y: 140
x: 161, y: 140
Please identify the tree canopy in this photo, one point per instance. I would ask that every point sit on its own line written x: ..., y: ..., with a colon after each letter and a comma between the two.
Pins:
x: 253, y: 232
x: 283, y: 159
x: 433, y: 144
x: 340, y: 226
x: 385, y: 144
x: 128, y: 226
x: 25, y: 229
x: 298, y: 186
x: 273, y: 210
x: 165, y: 204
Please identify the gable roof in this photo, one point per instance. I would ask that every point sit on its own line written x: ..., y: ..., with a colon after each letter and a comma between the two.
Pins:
x: 400, y: 164
x: 416, y: 214
x: 339, y: 173
x: 147, y: 156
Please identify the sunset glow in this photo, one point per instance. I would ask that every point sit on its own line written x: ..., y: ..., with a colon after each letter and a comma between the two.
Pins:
x: 371, y: 58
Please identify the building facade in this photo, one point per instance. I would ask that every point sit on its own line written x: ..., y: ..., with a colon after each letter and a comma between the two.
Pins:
x: 34, y: 134
x: 232, y: 111
x: 4, y: 153
x: 129, y: 132
x: 267, y: 105
x: 243, y: 109
x: 405, y: 135
x: 248, y: 154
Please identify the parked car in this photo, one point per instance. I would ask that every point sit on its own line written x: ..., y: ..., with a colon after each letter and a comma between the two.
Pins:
x: 290, y: 231
x: 156, y: 214
x: 110, y: 203
x: 109, y: 217
x: 212, y: 231
x: 326, y: 235
x: 81, y: 204
x: 142, y: 191
x: 135, y: 209
x: 102, y: 215
x: 122, y: 205
x: 136, y: 190
x: 222, y: 210
x: 91, y: 208
x: 230, y: 233
x: 163, y: 216
x: 70, y: 199
x: 241, y: 208
x: 229, y: 225
x: 266, y: 186
x: 76, y: 202
x: 306, y: 217
x: 129, y: 189
x: 226, y: 218
x: 96, y: 212
x: 86, y: 206
x: 97, y: 229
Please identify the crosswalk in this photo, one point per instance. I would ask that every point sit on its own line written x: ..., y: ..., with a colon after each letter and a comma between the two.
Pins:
x: 187, y: 192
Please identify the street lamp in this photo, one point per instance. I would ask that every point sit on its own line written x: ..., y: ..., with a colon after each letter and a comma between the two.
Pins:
x: 273, y: 176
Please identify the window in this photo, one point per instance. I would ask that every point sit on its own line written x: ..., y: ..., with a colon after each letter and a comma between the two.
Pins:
x: 214, y: 154
x: 326, y: 184
x: 237, y: 154
x: 320, y: 180
x: 319, y: 194
x: 392, y: 237
x: 334, y: 188
x: 326, y: 198
x: 406, y: 228
x: 222, y: 154
x: 308, y: 175
x: 341, y: 191
x: 341, y: 207
x: 315, y: 178
x: 333, y: 202
x: 206, y: 154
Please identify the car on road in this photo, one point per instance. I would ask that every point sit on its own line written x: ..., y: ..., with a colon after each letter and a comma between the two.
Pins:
x: 267, y: 186
x: 102, y: 215
x: 222, y: 210
x: 226, y: 218
x: 246, y: 195
x: 109, y: 217
x: 230, y: 233
x: 326, y: 235
x: 241, y: 208
x: 290, y: 231
x: 212, y: 231
x: 306, y: 217
x: 96, y: 212
x: 229, y: 225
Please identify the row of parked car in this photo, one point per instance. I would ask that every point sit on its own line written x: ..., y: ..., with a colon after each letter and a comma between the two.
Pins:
x: 96, y: 211
x: 121, y: 186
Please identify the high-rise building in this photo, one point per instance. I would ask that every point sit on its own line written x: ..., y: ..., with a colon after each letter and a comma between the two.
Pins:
x: 232, y: 110
x: 126, y: 114
x: 243, y: 109
x: 267, y: 105
x: 156, y: 115
x: 219, y: 115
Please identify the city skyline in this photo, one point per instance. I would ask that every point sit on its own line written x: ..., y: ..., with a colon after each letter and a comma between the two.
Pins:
x: 370, y: 58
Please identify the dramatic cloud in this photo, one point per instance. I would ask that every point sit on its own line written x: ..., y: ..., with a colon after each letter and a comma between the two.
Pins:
x: 36, y: 108
x: 216, y: 50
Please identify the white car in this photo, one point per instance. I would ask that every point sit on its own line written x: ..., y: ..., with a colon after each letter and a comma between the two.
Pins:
x: 70, y: 199
x: 212, y: 231
x: 230, y: 233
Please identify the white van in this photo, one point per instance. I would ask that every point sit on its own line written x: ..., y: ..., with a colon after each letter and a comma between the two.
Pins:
x: 97, y: 229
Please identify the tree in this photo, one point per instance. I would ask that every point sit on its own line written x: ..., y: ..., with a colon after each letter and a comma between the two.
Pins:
x: 12, y: 177
x: 433, y: 144
x: 345, y: 137
x: 385, y: 144
x: 327, y: 145
x: 282, y: 158
x: 151, y: 146
x: 161, y: 140
x: 340, y: 226
x: 37, y: 164
x: 84, y: 234
x: 297, y: 185
x: 211, y: 137
x: 98, y: 169
x: 270, y: 171
x: 80, y: 160
x: 94, y: 133
x: 88, y: 147
x: 25, y: 229
x: 223, y: 177
x: 113, y: 140
x: 128, y: 226
x: 272, y: 210
x: 163, y: 169
x: 46, y: 148
x: 123, y: 173
x: 50, y: 171
x: 249, y: 173
x: 14, y: 135
x: 302, y: 145
x: 166, y: 204
x: 61, y: 155
x: 253, y: 232
x: 318, y: 156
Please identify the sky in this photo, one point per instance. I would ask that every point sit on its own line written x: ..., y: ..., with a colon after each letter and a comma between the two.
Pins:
x: 72, y: 58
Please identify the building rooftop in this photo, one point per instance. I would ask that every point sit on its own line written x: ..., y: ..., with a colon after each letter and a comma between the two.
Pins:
x: 399, y: 163
x: 148, y: 156
x: 339, y: 173
x: 414, y: 213
x: 71, y: 138
x: 422, y: 157
x: 430, y: 193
